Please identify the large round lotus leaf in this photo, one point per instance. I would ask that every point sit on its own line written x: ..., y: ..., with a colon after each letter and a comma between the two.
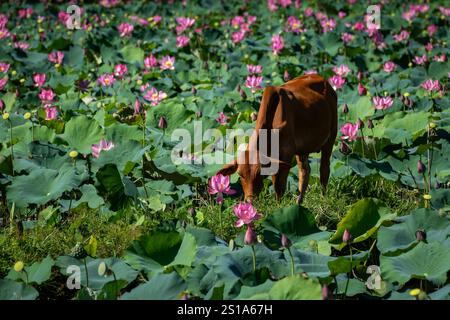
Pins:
x: 424, y: 261
x: 37, y: 273
x: 362, y: 221
x: 402, y: 236
x: 43, y: 185
x: 160, y: 287
x: 81, y: 133
x: 441, y: 294
x: 295, y: 288
x: 12, y: 290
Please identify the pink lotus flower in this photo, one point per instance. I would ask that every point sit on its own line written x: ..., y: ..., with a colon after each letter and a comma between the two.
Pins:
x: 382, y: 103
x: 403, y: 35
x: 285, y: 3
x: 46, y: 96
x: 21, y: 45
x: 51, y: 112
x: 420, y: 60
x: 250, y: 237
x: 238, y: 36
x: 39, y: 79
x: 277, y: 44
x: 342, y: 14
x: 156, y: 19
x: 349, y: 131
x: 4, y: 67
x: 432, y: 30
x: 429, y: 46
x: 328, y: 24
x: 294, y: 25
x: 309, y: 12
x: 125, y: 29
x: 106, y: 80
x: 4, y: 33
x: 183, y: 24
x: 220, y: 185
x: 272, y: 5
x: 120, y: 70
x: 182, y: 41
x: 431, y: 85
x: 3, y: 20
x: 343, y: 70
x: 137, y: 106
x: 63, y: 17
x: 361, y: 89
x: 3, y: 82
x: 25, y: 13
x: 246, y: 214
x: 154, y: 96
x: 150, y: 62
x: 103, y: 145
x: 389, y: 66
x: 445, y: 11
x: 167, y: 63
x: 254, y: 69
x: 222, y: 119
x: 440, y: 58
x: 56, y: 57
x: 253, y: 82
x: 109, y: 3
x: 346, y: 37
x: 336, y: 82
x: 359, y: 26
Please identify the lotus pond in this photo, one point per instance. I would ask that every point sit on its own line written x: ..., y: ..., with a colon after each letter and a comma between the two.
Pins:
x: 93, y: 205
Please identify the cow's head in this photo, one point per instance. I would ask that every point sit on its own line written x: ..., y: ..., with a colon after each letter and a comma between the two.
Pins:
x: 249, y: 173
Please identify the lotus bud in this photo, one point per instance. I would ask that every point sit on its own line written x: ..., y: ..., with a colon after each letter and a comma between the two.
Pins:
x: 238, y: 88
x: 325, y: 292
x: 360, y: 123
x: 427, y: 197
x: 250, y: 237
x: 253, y: 116
x: 5, y: 116
x: 286, y: 76
x: 347, y: 237
x: 192, y: 212
x: 421, y: 235
x: 420, y: 167
x: 27, y: 116
x: 243, y: 94
x: 162, y: 124
x: 194, y: 90
x: 285, y: 242
x: 360, y: 76
x: 345, y: 108
x: 198, y: 114
x: 18, y: 266
x: 344, y: 148
x: 361, y: 90
x: 102, y: 269
x: 370, y: 124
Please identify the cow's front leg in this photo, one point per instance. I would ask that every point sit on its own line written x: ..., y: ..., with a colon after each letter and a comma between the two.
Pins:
x: 279, y: 181
x: 303, y: 176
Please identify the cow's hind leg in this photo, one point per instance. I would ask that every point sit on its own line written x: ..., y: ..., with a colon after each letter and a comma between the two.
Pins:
x: 325, y: 164
x: 303, y: 176
x: 279, y: 181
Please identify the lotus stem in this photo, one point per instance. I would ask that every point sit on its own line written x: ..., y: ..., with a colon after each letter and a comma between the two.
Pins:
x: 12, y: 147
x: 292, y: 262
x: 254, y: 258
x: 87, y: 273
x: 351, y: 269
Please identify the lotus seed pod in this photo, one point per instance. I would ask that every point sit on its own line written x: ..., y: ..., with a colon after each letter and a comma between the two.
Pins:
x: 420, y: 167
x: 421, y: 235
x: 285, y: 242
x: 102, y: 269
x: 27, y: 116
x: 427, y: 196
x: 5, y: 116
x: 73, y: 154
x: 345, y: 108
x: 347, y: 237
x: 18, y: 266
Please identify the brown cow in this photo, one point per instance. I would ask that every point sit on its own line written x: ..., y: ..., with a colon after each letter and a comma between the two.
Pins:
x: 305, y: 112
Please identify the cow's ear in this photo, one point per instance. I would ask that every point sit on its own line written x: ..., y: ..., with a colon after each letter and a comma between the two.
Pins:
x: 229, y: 169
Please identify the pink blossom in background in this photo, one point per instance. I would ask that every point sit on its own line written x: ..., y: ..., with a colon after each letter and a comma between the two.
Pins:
x: 63, y: 17
x: 237, y: 21
x: 39, y: 79
x: 183, y: 24
x: 285, y: 3
x: 349, y: 131
x: 51, y: 113
x: 254, y: 69
x: 144, y: 87
x: 342, y: 14
x: 389, y: 66
x: 182, y: 41
x: 156, y: 19
x: 328, y: 24
x: 337, y: 82
x: 25, y: 13
x: 429, y: 46
x: 137, y: 106
x: 109, y: 3
x: 4, y: 33
x: 431, y: 85
x: 382, y: 103
x: 420, y: 60
x: 359, y: 26
x: 106, y: 80
x: 272, y: 5
x: 120, y: 70
x: 246, y: 214
x: 346, y: 37
x: 440, y: 58
x: 56, y: 57
x: 253, y: 82
x: 361, y: 89
x: 343, y: 70
x: 403, y: 35
x: 3, y: 82
x: 445, y: 11
x: 21, y: 45
x: 222, y: 119
x: 46, y: 96
x: 220, y: 185
x: 2, y: 105
x: 4, y: 67
x: 277, y: 44
x: 167, y: 63
x: 309, y: 12
x: 3, y: 20
x: 103, y: 145
x: 125, y: 29
x: 238, y: 36
x: 154, y: 96
x: 294, y: 24
x: 150, y: 62
x: 432, y: 30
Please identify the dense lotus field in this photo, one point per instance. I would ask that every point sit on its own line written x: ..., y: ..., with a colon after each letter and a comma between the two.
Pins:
x: 89, y: 108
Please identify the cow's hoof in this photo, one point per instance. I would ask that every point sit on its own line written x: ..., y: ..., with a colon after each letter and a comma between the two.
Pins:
x: 299, y: 199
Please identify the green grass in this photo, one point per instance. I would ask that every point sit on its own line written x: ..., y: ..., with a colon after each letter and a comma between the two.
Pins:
x: 115, y: 234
